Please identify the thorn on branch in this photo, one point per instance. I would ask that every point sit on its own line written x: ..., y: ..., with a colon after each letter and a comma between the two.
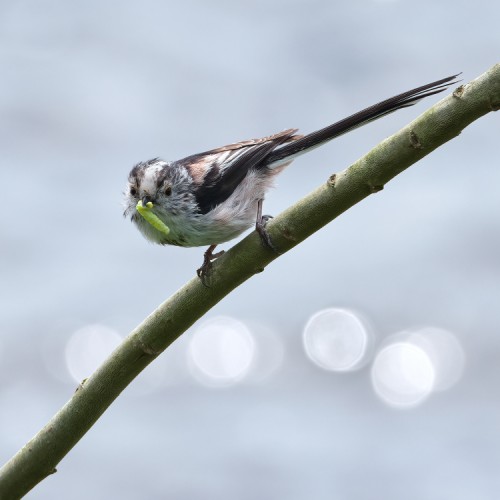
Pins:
x: 458, y: 92
x: 81, y: 384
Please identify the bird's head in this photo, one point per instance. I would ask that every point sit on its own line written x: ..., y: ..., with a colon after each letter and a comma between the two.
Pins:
x: 162, y: 188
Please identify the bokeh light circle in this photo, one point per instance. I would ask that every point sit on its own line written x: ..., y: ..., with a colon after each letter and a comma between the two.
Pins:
x: 445, y: 352
x: 403, y: 375
x: 87, y: 348
x: 336, y: 340
x: 221, y: 351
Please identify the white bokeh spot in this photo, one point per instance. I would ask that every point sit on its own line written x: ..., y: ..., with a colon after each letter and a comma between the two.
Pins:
x: 445, y: 352
x: 403, y: 375
x: 336, y: 340
x: 87, y: 348
x: 221, y: 351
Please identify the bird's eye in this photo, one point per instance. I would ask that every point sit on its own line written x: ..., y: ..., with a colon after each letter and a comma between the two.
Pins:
x: 168, y: 190
x: 133, y: 191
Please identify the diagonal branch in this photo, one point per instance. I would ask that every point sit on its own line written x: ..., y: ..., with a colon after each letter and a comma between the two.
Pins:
x: 444, y: 121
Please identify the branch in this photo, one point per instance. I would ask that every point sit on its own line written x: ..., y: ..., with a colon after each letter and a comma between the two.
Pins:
x: 444, y: 121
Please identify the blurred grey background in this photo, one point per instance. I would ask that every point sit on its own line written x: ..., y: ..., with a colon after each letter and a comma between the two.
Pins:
x: 88, y: 89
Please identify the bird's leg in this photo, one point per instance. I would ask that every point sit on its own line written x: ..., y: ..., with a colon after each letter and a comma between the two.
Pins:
x: 260, y: 227
x: 205, y: 268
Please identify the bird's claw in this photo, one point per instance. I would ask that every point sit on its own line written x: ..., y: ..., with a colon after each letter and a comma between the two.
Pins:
x: 260, y: 227
x: 205, y: 270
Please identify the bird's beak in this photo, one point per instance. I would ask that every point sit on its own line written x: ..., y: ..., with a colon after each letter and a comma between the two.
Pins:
x: 145, y: 200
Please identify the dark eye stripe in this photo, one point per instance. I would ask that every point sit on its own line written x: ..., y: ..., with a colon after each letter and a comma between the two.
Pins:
x: 162, y: 175
x: 137, y: 173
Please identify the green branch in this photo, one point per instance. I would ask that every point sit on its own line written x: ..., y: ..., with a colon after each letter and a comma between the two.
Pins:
x: 444, y: 121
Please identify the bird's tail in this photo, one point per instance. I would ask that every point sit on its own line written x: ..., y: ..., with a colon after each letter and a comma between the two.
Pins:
x: 290, y: 150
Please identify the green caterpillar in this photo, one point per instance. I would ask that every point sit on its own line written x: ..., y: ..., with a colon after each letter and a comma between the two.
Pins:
x: 152, y: 218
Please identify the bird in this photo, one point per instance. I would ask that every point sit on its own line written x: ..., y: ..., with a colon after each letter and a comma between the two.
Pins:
x: 212, y: 197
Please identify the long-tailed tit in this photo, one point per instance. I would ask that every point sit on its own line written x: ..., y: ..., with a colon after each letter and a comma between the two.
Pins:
x: 214, y: 196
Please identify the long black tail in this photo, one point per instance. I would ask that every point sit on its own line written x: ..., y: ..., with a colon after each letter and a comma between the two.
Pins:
x: 359, y: 119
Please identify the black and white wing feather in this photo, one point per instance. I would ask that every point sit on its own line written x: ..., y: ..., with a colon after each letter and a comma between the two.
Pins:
x: 217, y: 173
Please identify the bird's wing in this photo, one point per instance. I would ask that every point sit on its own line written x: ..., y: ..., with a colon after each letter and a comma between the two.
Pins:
x: 217, y: 173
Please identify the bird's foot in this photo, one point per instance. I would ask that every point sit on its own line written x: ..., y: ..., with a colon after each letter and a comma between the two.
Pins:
x: 260, y: 227
x: 206, y: 268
